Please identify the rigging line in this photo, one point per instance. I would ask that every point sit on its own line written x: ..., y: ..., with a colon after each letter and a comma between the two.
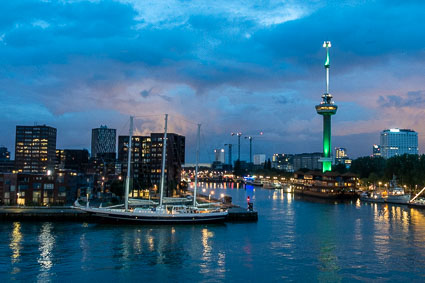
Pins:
x: 180, y: 117
x: 146, y: 116
x: 124, y: 127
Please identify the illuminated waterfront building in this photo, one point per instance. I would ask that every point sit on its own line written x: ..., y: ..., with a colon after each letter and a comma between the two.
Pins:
x: 398, y: 142
x: 327, y: 108
x: 35, y: 149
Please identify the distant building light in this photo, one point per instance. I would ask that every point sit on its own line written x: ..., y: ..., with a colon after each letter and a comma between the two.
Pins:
x: 395, y: 130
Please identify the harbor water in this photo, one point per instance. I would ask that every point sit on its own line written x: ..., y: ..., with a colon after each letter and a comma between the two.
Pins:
x: 295, y: 239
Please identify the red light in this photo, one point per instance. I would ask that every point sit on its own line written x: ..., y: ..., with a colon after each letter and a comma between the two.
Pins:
x: 247, y: 199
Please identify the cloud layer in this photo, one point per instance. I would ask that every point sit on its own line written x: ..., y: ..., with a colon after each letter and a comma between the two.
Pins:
x: 232, y: 66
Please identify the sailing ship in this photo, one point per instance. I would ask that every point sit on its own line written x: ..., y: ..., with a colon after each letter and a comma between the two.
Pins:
x: 161, y: 213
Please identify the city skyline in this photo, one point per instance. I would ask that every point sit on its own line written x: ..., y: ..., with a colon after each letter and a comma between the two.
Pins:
x: 232, y: 67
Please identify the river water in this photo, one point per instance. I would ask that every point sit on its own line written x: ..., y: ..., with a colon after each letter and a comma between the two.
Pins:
x: 295, y: 239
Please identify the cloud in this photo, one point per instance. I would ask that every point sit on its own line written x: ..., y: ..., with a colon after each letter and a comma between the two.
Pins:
x: 231, y: 65
x: 411, y: 99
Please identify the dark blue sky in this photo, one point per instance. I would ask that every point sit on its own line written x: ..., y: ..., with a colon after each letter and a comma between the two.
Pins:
x: 230, y: 65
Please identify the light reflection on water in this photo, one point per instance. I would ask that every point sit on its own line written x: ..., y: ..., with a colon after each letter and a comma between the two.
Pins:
x: 294, y: 239
x: 45, y: 259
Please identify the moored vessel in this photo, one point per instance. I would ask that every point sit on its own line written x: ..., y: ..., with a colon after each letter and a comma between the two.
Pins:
x: 161, y: 213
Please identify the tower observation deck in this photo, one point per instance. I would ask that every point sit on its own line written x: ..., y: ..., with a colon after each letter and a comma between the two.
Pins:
x: 326, y: 108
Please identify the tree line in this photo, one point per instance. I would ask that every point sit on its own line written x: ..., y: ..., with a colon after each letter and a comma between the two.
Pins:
x: 408, y: 169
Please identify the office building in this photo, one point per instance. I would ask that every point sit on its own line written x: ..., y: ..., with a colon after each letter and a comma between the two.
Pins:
x: 146, y: 157
x: 103, y: 143
x: 35, y: 149
x: 307, y: 160
x: 396, y: 142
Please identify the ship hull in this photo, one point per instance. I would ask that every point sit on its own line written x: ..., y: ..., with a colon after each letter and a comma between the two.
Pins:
x: 144, y: 218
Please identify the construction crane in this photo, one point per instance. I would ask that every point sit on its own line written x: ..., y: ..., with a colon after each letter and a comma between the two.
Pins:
x: 250, y: 145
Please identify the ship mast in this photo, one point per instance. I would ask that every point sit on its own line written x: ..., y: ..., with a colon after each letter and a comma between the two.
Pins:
x: 197, y: 164
x: 164, y: 151
x: 127, y: 181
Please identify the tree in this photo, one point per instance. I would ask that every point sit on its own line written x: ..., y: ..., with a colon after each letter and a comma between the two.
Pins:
x: 340, y: 168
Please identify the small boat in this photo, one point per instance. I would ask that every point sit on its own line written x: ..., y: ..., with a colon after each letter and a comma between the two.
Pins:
x: 396, y: 194
x: 161, y: 213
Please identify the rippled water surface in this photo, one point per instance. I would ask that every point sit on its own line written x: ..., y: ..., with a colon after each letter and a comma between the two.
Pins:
x: 295, y: 239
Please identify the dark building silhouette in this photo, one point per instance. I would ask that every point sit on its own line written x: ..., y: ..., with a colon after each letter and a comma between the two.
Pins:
x: 35, y: 149
x: 72, y: 159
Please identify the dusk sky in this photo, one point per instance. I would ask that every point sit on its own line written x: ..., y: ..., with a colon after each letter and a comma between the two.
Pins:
x: 245, y: 66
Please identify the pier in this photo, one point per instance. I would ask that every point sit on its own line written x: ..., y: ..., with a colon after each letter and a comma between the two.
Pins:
x: 236, y: 214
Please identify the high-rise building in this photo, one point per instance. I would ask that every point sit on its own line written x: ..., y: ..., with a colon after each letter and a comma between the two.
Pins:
x: 146, y: 157
x: 398, y: 142
x: 219, y: 155
x: 103, y: 142
x: 376, y: 150
x: 35, y: 149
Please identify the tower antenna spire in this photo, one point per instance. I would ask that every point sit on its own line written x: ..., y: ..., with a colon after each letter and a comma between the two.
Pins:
x: 327, y: 45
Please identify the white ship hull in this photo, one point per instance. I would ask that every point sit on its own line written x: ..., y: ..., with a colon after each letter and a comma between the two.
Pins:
x: 399, y: 199
x: 152, y: 216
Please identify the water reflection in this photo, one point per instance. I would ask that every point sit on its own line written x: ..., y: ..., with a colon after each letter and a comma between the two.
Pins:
x: 46, y: 243
x: 15, y: 242
x: 16, y: 246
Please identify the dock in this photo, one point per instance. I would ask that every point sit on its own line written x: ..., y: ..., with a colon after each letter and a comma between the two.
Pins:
x: 236, y: 214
